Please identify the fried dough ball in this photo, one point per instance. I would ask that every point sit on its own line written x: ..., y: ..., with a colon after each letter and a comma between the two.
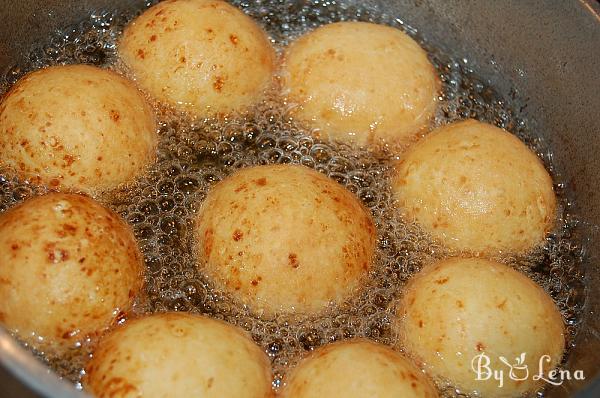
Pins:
x: 178, y: 355
x: 357, y: 369
x: 68, y: 268
x: 456, y: 313
x: 361, y: 82
x: 76, y: 127
x: 205, y: 57
x: 284, y: 238
x: 477, y: 188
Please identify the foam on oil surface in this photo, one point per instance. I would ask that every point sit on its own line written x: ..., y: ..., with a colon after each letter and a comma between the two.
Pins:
x: 195, y: 154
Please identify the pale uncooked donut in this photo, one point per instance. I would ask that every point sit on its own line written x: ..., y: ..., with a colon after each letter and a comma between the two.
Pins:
x: 284, y: 238
x: 178, y: 355
x: 357, y: 369
x: 202, y: 56
x: 68, y: 268
x: 477, y: 188
x: 76, y: 127
x: 361, y: 82
x: 457, y: 309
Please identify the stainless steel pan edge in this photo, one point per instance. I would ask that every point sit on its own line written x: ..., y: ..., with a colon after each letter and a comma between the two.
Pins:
x: 546, y: 50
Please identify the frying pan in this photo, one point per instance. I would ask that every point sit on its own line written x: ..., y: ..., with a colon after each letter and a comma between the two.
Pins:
x: 546, y: 50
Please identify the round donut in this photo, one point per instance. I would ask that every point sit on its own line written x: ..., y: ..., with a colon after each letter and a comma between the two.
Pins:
x: 76, y: 127
x: 356, y: 369
x: 204, y: 57
x: 178, y: 355
x: 477, y: 188
x: 68, y: 268
x: 462, y: 316
x: 361, y: 83
x: 284, y: 239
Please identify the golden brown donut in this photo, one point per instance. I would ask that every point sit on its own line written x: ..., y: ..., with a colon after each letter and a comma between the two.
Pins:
x: 284, y: 238
x: 76, y: 127
x: 361, y: 82
x: 475, y: 187
x: 457, y: 310
x: 68, y: 268
x: 205, y: 57
x: 178, y: 355
x: 356, y: 369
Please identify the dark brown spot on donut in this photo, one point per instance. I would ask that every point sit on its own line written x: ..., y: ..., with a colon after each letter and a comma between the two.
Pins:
x: 55, y: 254
x: 218, y: 83
x: 208, y: 241
x: 261, y: 182
x: 69, y: 229
x: 115, y: 115
x: 237, y: 235
x: 119, y: 387
x: 240, y: 188
x: 69, y: 160
x: 293, y: 258
x: 501, y: 305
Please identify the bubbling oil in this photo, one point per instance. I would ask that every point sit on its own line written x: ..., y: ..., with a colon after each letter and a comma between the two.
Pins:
x: 194, y: 154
